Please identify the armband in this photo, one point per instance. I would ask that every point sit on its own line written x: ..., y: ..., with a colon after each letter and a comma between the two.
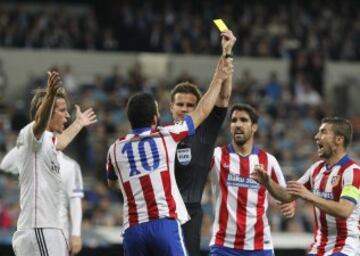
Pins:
x: 349, y: 191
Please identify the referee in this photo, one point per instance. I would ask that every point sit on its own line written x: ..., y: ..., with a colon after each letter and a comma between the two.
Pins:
x: 193, y: 155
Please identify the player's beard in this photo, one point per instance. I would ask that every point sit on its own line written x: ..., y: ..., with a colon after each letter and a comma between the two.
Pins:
x: 328, y: 150
x: 240, y: 140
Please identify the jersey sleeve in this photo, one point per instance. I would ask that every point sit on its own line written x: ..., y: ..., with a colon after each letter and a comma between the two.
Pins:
x: 110, y: 170
x: 8, y: 163
x: 351, y: 185
x: 27, y: 138
x: 77, y: 189
x: 276, y: 172
x: 182, y: 129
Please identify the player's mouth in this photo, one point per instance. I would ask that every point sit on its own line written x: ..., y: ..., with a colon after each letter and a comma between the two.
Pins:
x: 320, y: 147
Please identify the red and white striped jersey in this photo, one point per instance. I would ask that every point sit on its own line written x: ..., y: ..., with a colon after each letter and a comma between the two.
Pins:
x: 143, y: 164
x: 331, y: 234
x: 241, y: 203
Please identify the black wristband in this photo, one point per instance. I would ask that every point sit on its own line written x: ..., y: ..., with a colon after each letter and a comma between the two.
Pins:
x: 228, y: 55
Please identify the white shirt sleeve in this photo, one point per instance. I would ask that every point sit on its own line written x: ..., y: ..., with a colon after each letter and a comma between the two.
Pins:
x: 77, y: 188
x: 8, y: 163
x: 75, y: 216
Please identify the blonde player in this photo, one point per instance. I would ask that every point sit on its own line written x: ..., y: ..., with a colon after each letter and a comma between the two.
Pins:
x: 71, y: 210
x: 39, y: 228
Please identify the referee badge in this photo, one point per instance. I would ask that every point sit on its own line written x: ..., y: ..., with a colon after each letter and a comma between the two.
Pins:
x: 184, y: 156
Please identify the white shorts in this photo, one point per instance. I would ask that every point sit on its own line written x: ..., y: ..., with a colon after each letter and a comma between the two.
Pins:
x: 40, y: 242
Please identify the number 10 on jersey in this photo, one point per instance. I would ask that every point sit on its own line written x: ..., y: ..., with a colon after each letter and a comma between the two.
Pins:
x: 146, y: 155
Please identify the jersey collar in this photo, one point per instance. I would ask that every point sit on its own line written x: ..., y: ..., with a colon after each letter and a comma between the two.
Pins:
x: 254, y: 150
x: 341, y: 162
x: 140, y: 130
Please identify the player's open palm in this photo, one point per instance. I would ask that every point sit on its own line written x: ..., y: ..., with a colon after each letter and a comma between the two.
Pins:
x: 85, y: 118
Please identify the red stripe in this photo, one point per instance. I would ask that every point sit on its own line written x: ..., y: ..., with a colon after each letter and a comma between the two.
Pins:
x: 179, y: 136
x: 356, y: 178
x: 260, y: 207
x: 340, y: 222
x: 132, y: 209
x: 224, y: 214
x: 165, y: 178
x: 133, y: 217
x: 242, y: 198
x: 316, y: 229
x: 273, y: 176
x: 323, y: 223
x: 148, y: 191
x: 309, y: 184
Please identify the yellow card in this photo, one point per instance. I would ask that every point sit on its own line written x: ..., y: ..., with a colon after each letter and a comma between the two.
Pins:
x: 220, y: 25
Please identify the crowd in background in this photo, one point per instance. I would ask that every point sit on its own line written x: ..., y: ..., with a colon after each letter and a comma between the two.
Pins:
x: 287, y: 125
x: 267, y: 28
x: 290, y: 113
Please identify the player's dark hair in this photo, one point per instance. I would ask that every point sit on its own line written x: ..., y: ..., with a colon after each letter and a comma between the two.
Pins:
x: 141, y: 109
x: 341, y: 127
x: 185, y: 87
x: 39, y: 95
x: 253, y: 114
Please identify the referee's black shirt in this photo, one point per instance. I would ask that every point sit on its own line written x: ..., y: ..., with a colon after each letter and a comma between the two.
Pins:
x: 193, y: 156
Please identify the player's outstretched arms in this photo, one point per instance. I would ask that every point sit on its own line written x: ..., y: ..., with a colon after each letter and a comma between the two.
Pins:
x: 82, y: 120
x: 223, y: 70
x: 45, y: 110
x: 227, y: 42
x: 278, y: 192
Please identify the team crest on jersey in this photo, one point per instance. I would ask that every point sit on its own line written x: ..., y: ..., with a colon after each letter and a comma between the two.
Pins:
x: 184, y: 156
x: 335, y: 180
x: 54, y: 167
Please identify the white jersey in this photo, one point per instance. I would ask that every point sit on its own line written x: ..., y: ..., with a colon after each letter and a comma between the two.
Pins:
x: 241, y: 203
x: 73, y: 187
x: 39, y: 180
x: 334, y: 235
x: 143, y: 163
x: 70, y: 176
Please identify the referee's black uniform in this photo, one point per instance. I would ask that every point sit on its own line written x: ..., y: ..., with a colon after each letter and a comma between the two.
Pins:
x: 193, y: 156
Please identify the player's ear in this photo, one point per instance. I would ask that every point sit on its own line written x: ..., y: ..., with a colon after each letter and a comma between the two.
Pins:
x: 254, y: 127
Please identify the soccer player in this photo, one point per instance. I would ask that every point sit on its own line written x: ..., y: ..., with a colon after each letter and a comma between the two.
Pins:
x: 39, y: 228
x: 141, y: 165
x: 332, y: 186
x: 241, y: 226
x: 193, y: 155
x: 72, y: 185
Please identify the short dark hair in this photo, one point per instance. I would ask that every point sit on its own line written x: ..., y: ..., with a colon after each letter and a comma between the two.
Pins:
x: 341, y: 127
x: 253, y: 114
x: 186, y: 87
x: 39, y: 95
x: 141, y: 109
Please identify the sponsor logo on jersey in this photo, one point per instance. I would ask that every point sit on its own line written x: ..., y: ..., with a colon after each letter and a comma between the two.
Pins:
x: 323, y: 194
x: 54, y: 167
x: 184, y: 156
x: 235, y: 180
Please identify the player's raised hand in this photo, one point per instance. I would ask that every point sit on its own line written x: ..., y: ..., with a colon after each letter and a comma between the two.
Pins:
x: 260, y: 175
x: 224, y: 68
x: 227, y: 42
x: 54, y: 82
x: 85, y: 118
